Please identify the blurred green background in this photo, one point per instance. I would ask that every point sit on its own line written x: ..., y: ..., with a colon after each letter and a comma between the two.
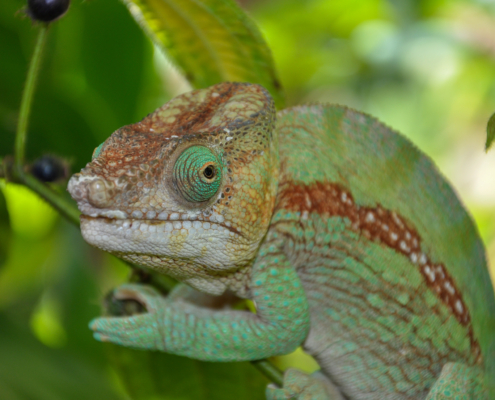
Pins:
x: 425, y: 68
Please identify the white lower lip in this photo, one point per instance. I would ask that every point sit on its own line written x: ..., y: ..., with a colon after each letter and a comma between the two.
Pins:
x: 154, y: 226
x: 204, y: 242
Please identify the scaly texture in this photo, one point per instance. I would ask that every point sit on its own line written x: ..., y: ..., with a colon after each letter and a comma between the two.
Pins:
x: 343, y: 234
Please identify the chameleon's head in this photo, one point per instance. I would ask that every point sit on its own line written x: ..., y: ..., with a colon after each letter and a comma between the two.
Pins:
x: 190, y: 189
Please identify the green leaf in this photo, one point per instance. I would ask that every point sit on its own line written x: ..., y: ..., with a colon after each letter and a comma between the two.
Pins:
x: 151, y: 375
x: 490, y: 132
x: 30, y: 370
x: 212, y: 41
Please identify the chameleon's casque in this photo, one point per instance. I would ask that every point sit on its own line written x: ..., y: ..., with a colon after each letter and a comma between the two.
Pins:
x: 345, y: 236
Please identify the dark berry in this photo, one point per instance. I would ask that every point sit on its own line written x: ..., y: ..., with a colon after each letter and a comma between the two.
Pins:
x: 49, y: 169
x: 47, y: 10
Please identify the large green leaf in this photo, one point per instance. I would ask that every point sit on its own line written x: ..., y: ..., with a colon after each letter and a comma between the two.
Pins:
x: 212, y: 41
x: 31, y: 371
x: 151, y: 375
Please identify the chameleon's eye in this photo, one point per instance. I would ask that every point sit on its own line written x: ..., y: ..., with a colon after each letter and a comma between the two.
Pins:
x: 197, y: 174
x: 97, y: 151
x: 209, y: 171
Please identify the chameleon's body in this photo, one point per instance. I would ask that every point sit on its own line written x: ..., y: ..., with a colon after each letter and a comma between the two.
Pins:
x: 345, y: 236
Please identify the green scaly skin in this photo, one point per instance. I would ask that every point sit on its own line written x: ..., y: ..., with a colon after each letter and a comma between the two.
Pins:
x: 344, y: 235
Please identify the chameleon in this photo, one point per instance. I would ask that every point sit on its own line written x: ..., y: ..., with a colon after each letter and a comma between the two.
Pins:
x: 343, y: 234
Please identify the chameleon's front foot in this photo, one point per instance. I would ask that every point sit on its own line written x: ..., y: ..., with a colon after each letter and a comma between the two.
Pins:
x: 301, y: 386
x: 176, y: 326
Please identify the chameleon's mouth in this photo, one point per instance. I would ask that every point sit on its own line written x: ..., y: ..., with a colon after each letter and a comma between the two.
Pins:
x: 160, y: 244
x: 152, y: 225
x: 161, y: 226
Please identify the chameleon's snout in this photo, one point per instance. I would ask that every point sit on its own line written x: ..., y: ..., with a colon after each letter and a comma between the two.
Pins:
x: 77, y: 191
x: 92, y: 190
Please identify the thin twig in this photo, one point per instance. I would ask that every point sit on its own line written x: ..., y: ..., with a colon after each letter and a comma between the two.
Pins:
x: 44, y: 191
x: 27, y: 98
x: 53, y: 198
x: 270, y: 371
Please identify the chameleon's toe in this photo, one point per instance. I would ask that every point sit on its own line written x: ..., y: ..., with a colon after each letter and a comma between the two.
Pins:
x: 300, y: 386
x: 126, y: 331
x: 139, y: 331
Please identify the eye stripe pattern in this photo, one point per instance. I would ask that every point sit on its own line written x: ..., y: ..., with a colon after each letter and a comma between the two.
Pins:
x: 197, y: 174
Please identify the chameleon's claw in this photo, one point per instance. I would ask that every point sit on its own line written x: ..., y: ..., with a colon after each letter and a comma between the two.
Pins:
x: 101, y: 338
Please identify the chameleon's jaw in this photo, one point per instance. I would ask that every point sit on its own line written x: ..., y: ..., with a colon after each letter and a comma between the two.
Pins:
x: 157, y: 243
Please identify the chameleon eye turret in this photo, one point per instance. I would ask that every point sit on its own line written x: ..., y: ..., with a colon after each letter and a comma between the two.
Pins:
x: 197, y: 174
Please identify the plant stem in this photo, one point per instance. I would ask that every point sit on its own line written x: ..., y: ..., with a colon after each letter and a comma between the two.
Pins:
x: 44, y: 191
x: 27, y: 98
x: 270, y: 371
x: 53, y: 198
